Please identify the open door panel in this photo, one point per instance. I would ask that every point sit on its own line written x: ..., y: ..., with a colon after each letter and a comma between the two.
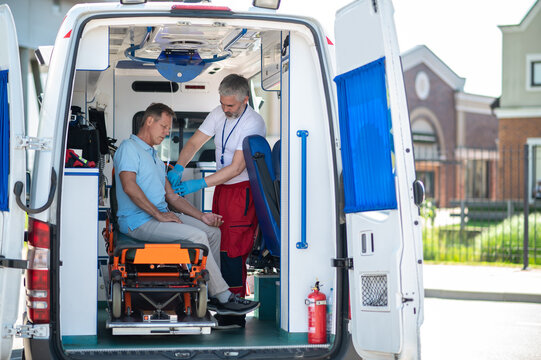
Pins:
x: 12, y: 170
x: 378, y: 171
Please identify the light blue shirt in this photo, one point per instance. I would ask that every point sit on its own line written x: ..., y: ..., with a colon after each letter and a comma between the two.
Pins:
x: 137, y: 156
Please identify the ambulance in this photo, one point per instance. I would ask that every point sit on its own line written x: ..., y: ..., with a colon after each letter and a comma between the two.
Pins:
x: 336, y: 115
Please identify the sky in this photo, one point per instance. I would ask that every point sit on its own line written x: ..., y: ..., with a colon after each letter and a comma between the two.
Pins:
x: 464, y: 34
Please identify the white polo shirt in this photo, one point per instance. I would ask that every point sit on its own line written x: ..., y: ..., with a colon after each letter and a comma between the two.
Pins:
x: 234, y: 132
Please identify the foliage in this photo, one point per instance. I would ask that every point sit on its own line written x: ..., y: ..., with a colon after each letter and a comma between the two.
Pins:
x: 499, y: 242
x: 505, y: 241
x: 428, y: 210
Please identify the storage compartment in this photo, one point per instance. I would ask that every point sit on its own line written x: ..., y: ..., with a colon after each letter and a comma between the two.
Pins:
x: 79, y: 254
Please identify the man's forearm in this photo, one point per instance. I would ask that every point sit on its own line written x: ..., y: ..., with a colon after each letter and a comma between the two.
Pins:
x: 186, y: 155
x: 181, y: 205
x: 223, y: 175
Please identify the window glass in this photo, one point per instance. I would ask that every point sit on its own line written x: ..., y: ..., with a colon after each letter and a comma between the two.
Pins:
x: 536, y: 171
x: 425, y: 141
x: 536, y: 73
x: 477, y: 184
x: 184, y: 126
x: 427, y: 177
x: 267, y: 104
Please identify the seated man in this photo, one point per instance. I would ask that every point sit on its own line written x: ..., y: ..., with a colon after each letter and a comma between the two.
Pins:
x: 144, y: 193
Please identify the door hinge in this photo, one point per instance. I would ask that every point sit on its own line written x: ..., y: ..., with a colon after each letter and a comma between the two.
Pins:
x: 28, y: 331
x: 343, y: 263
x: 33, y: 143
x: 375, y: 6
x: 13, y: 263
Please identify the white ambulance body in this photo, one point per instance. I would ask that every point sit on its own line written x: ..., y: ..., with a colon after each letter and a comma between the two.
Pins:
x: 349, y: 201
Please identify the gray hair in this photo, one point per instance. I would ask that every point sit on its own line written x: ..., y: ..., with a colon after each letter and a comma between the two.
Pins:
x: 234, y: 84
x: 155, y: 110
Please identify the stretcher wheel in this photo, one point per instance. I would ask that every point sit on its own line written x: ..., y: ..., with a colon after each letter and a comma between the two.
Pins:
x: 201, y: 300
x: 116, y: 299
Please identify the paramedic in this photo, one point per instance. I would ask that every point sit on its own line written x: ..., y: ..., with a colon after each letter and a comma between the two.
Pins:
x: 229, y: 123
x: 143, y: 198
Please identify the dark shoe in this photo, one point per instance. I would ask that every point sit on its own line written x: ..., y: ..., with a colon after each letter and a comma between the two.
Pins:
x: 226, y: 322
x: 234, y: 306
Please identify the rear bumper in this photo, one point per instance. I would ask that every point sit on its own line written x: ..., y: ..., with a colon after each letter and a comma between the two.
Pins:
x: 36, y: 349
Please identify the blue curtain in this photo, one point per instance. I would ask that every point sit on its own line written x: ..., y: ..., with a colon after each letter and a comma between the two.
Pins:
x: 366, y: 137
x: 4, y: 141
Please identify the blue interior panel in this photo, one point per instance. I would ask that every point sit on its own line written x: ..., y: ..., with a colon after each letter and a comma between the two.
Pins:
x: 263, y: 185
x: 277, y: 159
x: 4, y: 141
x: 366, y: 139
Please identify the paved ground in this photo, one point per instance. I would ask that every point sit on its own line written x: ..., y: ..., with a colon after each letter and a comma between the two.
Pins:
x: 482, y: 283
x: 480, y: 330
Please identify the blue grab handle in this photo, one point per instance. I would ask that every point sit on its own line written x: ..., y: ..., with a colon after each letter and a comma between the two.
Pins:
x: 303, y: 134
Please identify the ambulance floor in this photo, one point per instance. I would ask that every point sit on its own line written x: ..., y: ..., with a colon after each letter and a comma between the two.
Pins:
x: 257, y: 333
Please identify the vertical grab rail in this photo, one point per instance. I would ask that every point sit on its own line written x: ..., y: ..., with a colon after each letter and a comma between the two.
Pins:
x: 303, y: 134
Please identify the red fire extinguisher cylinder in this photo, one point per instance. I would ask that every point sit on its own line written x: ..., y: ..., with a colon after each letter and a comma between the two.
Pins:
x: 317, y: 316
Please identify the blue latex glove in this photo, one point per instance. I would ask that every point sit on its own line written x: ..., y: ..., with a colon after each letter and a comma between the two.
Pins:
x: 175, y: 175
x: 190, y: 186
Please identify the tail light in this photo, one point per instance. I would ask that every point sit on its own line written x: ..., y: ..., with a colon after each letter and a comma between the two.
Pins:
x: 37, y: 274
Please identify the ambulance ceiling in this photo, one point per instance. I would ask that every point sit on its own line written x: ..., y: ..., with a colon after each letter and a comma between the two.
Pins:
x: 237, y: 46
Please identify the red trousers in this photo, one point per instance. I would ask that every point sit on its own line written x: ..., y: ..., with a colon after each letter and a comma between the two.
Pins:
x: 236, y: 205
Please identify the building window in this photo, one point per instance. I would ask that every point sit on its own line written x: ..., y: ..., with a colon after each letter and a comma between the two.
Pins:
x: 425, y: 140
x: 477, y: 179
x: 535, y: 73
x: 536, y: 172
x: 427, y: 177
x: 422, y: 85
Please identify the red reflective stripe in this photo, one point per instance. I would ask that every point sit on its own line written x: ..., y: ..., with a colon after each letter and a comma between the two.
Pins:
x: 329, y: 42
x: 67, y: 35
x: 200, y: 7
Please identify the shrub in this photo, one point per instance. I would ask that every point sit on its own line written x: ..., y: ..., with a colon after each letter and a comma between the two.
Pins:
x: 504, y: 241
x: 428, y: 210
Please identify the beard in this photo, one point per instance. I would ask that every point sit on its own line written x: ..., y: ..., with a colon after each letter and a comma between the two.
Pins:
x: 232, y: 116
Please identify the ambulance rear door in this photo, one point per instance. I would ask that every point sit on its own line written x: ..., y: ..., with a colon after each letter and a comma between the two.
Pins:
x: 12, y: 170
x: 382, y: 219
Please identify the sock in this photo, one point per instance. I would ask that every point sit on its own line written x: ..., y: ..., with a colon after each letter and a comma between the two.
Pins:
x: 223, y: 297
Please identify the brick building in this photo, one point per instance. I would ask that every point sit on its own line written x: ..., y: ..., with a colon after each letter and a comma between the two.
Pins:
x: 454, y: 133
x: 519, y: 108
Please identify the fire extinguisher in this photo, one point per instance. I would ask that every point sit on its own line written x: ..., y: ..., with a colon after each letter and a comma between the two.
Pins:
x: 317, y: 316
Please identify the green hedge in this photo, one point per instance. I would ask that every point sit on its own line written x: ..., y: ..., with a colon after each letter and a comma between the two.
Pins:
x: 497, y: 242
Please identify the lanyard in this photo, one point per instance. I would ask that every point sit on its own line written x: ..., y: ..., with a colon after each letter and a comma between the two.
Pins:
x: 223, y: 131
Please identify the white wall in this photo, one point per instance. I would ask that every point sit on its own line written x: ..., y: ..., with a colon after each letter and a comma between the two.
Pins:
x: 307, y: 111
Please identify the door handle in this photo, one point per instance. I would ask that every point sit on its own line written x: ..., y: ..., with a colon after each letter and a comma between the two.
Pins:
x: 18, y: 189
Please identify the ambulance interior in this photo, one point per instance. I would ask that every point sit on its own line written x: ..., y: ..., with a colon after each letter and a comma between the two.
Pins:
x: 117, y: 76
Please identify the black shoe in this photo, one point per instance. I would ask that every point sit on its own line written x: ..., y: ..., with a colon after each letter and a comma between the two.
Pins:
x: 226, y: 322
x: 234, y: 306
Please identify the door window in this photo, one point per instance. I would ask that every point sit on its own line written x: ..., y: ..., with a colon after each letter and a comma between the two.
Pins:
x: 184, y: 126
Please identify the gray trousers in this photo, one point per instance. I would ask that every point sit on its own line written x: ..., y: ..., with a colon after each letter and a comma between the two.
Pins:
x: 192, y: 230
